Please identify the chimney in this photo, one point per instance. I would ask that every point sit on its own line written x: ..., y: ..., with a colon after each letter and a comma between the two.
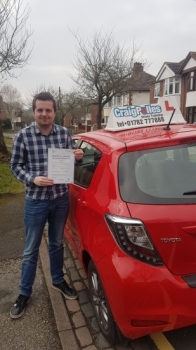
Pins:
x: 137, y: 68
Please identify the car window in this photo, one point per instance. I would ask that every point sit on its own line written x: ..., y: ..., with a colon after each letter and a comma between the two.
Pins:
x: 160, y: 176
x: 83, y: 173
x: 76, y: 142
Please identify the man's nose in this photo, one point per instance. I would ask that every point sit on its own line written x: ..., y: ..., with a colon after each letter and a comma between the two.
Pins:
x: 44, y: 112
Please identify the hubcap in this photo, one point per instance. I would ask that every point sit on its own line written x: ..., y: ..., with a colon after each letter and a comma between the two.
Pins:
x: 99, y: 301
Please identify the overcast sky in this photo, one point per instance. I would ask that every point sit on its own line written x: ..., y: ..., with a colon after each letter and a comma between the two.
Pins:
x: 165, y: 30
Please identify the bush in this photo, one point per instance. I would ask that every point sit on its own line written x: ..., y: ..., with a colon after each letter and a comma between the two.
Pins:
x: 6, y: 124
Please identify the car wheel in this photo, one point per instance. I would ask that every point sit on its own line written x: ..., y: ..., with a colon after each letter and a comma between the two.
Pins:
x: 100, y: 304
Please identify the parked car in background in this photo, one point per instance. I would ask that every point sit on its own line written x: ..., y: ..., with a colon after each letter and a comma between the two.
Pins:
x: 132, y: 221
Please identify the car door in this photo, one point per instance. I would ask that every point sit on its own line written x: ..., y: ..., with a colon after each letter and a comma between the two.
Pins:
x: 82, y: 196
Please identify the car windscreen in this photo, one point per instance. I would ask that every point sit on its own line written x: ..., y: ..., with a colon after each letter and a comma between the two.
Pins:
x: 159, y: 176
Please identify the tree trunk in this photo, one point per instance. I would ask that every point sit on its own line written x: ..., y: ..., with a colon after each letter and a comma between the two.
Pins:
x: 99, y: 116
x: 3, y: 148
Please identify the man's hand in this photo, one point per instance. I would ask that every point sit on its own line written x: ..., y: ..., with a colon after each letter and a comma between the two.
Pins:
x: 78, y: 154
x: 43, y: 181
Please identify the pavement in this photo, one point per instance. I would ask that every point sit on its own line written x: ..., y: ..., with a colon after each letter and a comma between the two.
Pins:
x: 50, y: 322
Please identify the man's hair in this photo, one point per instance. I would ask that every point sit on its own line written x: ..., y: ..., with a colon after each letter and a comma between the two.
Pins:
x: 44, y: 96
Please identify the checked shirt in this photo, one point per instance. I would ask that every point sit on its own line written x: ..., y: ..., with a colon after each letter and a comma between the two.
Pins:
x: 30, y: 158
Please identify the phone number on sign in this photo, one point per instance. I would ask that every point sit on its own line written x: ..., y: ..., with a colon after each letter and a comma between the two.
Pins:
x: 146, y: 121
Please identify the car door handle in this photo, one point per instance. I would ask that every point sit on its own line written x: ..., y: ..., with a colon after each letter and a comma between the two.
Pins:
x: 82, y: 203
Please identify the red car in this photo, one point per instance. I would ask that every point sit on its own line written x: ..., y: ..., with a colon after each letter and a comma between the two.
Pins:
x: 132, y: 220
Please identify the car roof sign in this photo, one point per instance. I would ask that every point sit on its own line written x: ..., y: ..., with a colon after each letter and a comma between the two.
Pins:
x: 139, y: 116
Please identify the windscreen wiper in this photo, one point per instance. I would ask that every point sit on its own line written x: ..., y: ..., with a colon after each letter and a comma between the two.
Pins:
x: 189, y: 193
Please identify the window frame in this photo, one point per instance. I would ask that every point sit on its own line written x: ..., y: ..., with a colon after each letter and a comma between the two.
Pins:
x: 191, y: 115
x: 172, y: 86
x: 84, y: 172
x: 125, y: 99
x: 128, y: 177
x: 192, y: 81
x: 156, y: 90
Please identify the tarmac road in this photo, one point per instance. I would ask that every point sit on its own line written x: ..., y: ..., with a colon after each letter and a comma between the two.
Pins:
x: 36, y: 330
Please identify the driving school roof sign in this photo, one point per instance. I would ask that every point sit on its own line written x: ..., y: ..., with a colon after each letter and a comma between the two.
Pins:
x: 131, y: 117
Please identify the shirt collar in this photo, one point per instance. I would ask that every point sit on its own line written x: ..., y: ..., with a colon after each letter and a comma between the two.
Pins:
x: 37, y: 131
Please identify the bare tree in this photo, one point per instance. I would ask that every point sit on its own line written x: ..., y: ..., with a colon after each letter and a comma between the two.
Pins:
x: 27, y: 117
x: 13, y: 102
x: 41, y: 88
x: 102, y: 68
x: 14, y: 37
x: 67, y: 102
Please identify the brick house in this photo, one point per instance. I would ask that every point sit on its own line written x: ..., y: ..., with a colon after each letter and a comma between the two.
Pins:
x: 84, y: 118
x: 178, y: 79
x: 188, y: 87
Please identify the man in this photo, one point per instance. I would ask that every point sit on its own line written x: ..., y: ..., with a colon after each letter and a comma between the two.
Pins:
x: 44, y: 201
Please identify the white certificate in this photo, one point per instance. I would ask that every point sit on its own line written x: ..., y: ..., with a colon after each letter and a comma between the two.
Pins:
x: 61, y: 165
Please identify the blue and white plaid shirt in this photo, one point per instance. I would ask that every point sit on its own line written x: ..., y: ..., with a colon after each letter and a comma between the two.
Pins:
x: 30, y: 158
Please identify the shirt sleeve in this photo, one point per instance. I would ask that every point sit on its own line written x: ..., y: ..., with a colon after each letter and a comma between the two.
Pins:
x: 19, y: 160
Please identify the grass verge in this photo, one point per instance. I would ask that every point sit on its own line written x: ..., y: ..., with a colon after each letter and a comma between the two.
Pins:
x: 8, y: 183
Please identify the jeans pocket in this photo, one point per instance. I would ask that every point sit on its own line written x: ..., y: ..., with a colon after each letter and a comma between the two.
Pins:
x: 30, y: 201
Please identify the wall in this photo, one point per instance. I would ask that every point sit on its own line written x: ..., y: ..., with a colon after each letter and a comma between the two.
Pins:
x: 140, y: 98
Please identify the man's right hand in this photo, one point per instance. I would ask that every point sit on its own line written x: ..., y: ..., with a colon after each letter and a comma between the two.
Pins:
x: 43, y: 181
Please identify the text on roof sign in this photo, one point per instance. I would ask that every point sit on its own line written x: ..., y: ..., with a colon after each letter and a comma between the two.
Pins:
x: 134, y: 111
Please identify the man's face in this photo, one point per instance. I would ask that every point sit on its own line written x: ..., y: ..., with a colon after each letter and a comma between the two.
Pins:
x: 44, y: 113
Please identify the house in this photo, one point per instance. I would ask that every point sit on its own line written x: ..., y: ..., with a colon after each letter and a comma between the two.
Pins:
x: 82, y: 117
x: 11, y: 111
x: 178, y: 79
x: 137, y: 91
x: 187, y: 71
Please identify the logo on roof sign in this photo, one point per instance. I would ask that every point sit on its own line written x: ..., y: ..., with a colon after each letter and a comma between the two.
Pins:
x: 135, y: 111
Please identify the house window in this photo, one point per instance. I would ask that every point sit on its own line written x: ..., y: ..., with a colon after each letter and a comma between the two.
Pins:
x: 157, y: 90
x: 109, y: 104
x: 125, y: 99
x: 116, y: 101
x: 172, y: 86
x: 177, y: 86
x: 166, y: 87
x: 192, y: 81
x: 191, y: 115
x: 104, y: 120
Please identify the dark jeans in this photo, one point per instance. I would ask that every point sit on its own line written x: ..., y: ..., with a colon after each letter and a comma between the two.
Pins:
x: 36, y: 214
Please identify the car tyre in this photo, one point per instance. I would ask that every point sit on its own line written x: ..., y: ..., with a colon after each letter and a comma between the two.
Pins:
x: 100, y: 305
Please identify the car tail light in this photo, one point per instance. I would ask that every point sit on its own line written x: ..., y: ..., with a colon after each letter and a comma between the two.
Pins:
x: 133, y: 239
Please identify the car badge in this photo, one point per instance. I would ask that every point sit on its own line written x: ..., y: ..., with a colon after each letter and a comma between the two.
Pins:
x: 171, y: 240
